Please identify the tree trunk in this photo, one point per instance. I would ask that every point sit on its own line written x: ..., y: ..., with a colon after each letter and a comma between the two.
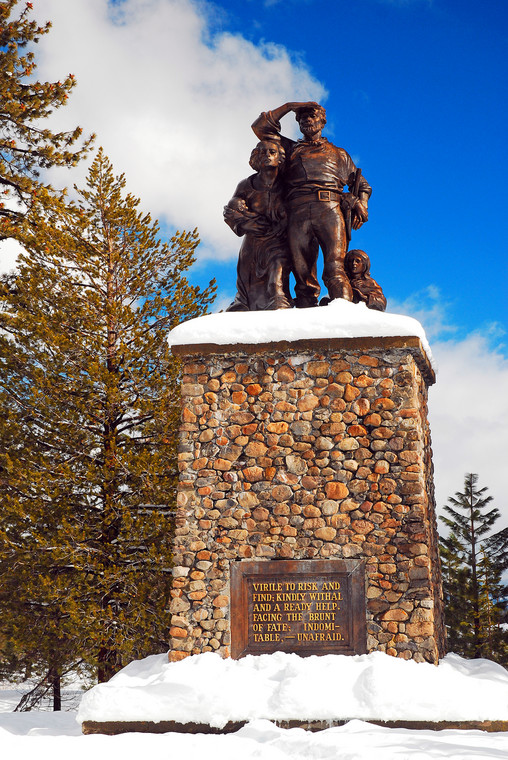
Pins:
x: 109, y: 664
x: 55, y: 680
x: 477, y: 644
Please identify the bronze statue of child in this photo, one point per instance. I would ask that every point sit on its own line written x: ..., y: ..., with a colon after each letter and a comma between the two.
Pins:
x: 365, y: 288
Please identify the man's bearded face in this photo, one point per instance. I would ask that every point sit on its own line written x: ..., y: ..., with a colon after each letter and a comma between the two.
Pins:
x: 310, y: 123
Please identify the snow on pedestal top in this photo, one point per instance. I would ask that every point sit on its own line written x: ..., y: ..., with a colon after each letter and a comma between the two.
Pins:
x: 280, y: 686
x: 340, y: 319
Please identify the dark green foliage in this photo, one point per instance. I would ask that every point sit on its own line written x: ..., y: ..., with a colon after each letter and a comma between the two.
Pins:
x: 89, y: 398
x: 473, y: 561
x: 26, y: 144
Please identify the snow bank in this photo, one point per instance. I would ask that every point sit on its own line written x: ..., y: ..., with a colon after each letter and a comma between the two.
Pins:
x: 259, y: 740
x: 208, y: 689
x: 37, y: 723
x: 340, y: 319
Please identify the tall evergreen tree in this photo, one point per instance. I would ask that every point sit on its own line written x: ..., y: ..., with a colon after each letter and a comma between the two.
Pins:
x: 26, y: 144
x: 474, y: 559
x: 90, y: 398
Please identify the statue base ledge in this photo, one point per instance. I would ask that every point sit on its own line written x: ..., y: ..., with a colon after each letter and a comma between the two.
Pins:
x: 412, y: 343
x: 113, y: 728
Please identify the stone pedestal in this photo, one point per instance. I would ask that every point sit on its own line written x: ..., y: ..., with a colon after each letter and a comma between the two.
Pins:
x: 308, y: 450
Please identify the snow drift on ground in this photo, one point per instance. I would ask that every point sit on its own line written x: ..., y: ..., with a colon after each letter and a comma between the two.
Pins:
x: 208, y: 689
x: 56, y: 736
x: 340, y: 319
x: 259, y: 740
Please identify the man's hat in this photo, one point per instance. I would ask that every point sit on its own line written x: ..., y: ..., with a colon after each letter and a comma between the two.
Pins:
x: 317, y: 109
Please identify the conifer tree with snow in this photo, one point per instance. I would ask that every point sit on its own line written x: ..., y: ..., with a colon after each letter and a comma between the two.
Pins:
x: 27, y: 144
x: 89, y: 395
x: 473, y: 558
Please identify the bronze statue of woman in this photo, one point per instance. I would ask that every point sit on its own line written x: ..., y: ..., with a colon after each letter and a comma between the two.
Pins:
x: 257, y: 213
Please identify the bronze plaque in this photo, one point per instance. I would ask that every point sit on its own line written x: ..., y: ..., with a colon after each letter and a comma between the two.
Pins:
x: 303, y: 606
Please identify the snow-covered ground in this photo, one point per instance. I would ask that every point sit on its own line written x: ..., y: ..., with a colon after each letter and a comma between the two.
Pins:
x: 55, y: 738
x: 306, y: 684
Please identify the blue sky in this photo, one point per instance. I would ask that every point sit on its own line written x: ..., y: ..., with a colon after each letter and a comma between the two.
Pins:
x: 417, y: 95
x: 415, y: 90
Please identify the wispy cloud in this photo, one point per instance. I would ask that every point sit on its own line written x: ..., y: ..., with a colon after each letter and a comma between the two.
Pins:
x: 468, y: 411
x: 429, y: 307
x: 468, y: 408
x: 171, y: 100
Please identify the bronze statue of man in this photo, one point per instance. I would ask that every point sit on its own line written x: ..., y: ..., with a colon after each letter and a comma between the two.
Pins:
x: 314, y: 177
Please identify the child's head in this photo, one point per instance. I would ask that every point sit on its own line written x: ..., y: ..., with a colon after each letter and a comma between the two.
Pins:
x: 357, y: 264
x: 238, y: 204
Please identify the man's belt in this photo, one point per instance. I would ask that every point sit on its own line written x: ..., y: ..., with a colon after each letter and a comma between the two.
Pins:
x: 317, y: 195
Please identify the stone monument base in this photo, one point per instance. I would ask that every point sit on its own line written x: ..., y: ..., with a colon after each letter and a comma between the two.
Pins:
x: 306, y: 451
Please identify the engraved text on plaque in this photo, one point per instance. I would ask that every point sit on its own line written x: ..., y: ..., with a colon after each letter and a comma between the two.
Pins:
x: 302, y: 606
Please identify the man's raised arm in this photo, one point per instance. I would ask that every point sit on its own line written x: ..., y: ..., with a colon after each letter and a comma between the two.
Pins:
x: 267, y: 125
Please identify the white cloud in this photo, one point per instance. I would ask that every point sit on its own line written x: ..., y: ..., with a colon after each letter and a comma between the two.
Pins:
x: 468, y: 405
x: 468, y: 411
x: 222, y: 301
x: 9, y: 251
x: 429, y: 307
x: 170, y: 100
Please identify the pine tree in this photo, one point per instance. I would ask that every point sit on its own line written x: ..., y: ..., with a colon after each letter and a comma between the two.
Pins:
x: 473, y: 561
x: 26, y: 146
x: 90, y: 397
x: 492, y: 608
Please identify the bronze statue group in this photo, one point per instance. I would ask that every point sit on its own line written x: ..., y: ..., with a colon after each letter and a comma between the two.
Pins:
x: 292, y: 206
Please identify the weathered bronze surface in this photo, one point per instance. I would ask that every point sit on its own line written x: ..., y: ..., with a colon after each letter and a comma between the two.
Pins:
x: 257, y: 212
x: 295, y: 204
x: 365, y: 288
x: 320, y: 214
x: 303, y: 606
